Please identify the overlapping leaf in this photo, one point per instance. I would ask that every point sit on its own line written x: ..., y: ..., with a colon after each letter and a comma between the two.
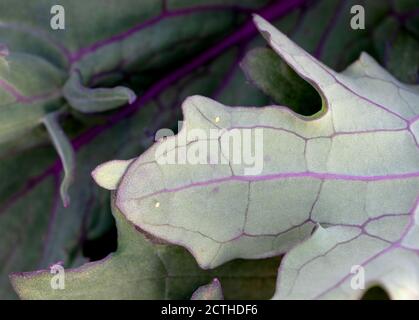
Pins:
x: 352, y: 170
x: 140, y: 269
x: 62, y: 232
x: 55, y: 233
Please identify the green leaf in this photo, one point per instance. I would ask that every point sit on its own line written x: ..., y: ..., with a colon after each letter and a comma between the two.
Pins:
x: 114, y: 41
x: 57, y: 233
x: 403, y: 60
x: 65, y: 151
x: 31, y: 217
x: 356, y: 260
x: 95, y: 100
x: 139, y: 269
x: 108, y: 175
x: 326, y: 169
x: 370, y: 226
x: 29, y: 89
x: 36, y: 230
x: 399, y: 50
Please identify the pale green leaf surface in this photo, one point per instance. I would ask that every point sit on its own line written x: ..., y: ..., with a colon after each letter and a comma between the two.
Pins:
x: 375, y: 224
x: 108, y: 175
x: 48, y: 232
x: 327, y: 169
x: 211, y: 291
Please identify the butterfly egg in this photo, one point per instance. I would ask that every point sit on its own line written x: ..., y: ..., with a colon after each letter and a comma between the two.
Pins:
x: 217, y: 119
x: 157, y: 204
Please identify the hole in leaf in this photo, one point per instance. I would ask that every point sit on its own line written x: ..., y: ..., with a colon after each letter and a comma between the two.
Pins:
x: 298, y: 94
x: 375, y: 293
x: 99, y: 248
x: 266, y: 70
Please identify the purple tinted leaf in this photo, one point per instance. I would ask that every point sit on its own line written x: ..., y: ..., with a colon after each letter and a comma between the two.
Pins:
x: 149, y: 271
x: 126, y: 133
x: 323, y: 170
